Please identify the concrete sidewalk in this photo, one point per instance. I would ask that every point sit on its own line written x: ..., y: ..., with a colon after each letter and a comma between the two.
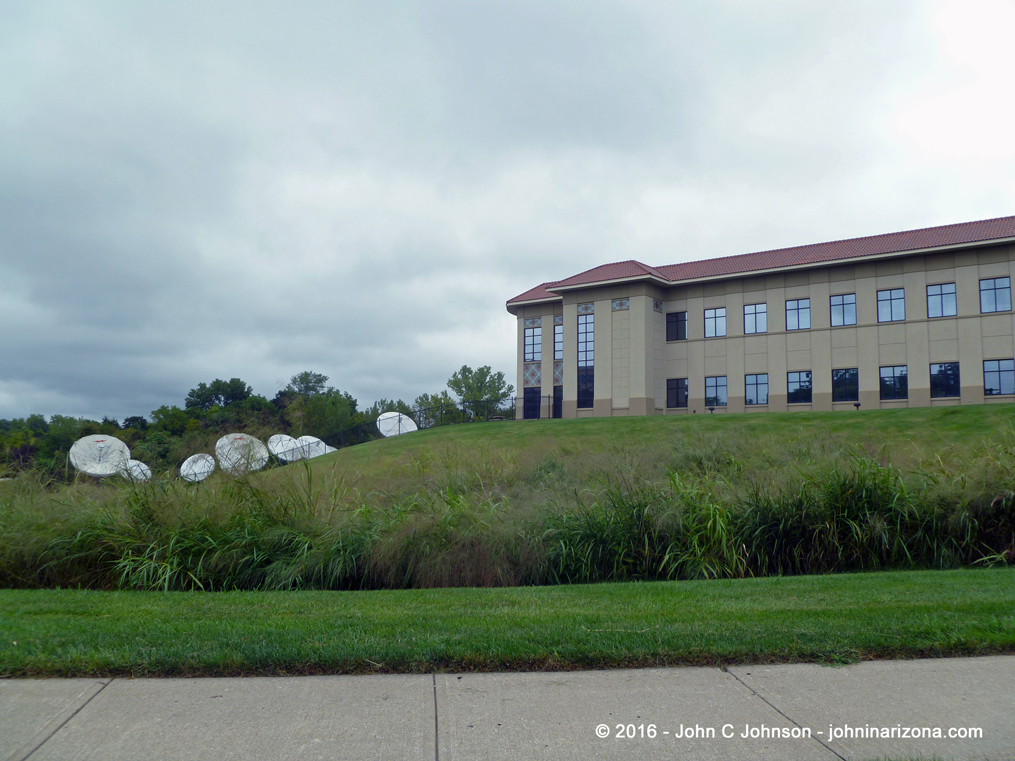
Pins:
x: 741, y: 713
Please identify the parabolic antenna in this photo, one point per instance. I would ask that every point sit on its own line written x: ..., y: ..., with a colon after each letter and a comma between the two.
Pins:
x: 136, y: 471
x: 240, y: 453
x: 197, y: 467
x: 395, y: 424
x: 284, y: 447
x: 99, y: 455
x: 311, y: 446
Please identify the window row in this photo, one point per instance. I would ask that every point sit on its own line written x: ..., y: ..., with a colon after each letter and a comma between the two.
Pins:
x: 995, y: 296
x: 998, y: 379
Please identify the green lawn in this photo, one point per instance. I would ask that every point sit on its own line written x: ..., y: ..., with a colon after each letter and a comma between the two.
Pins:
x: 835, y: 619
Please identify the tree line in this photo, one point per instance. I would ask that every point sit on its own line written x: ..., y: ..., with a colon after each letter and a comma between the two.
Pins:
x: 306, y: 406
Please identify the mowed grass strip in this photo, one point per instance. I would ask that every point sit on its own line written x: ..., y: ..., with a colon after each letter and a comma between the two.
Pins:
x: 836, y: 619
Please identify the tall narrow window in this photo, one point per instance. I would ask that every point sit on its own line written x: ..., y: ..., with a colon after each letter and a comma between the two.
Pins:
x: 998, y: 376
x: 676, y: 326
x: 941, y: 300
x: 892, y: 305
x: 756, y: 318
x: 798, y: 314
x: 756, y: 389
x: 843, y: 309
x: 846, y: 385
x: 798, y: 387
x: 586, y: 355
x: 944, y: 379
x: 895, y: 382
x: 533, y: 340
x: 558, y: 337
x: 715, y: 322
x: 676, y: 392
x: 995, y: 295
x: 715, y: 391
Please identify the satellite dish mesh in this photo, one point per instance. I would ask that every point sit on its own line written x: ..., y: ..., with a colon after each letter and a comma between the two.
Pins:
x: 99, y: 455
x: 240, y: 453
x: 136, y: 471
x: 311, y: 446
x: 284, y: 447
x: 197, y: 467
x: 395, y: 424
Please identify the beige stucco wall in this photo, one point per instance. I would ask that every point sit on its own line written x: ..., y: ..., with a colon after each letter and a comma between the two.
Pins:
x: 633, y: 360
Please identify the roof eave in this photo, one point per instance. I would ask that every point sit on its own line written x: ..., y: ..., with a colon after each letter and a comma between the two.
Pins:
x: 850, y: 260
x: 612, y: 281
x: 513, y: 305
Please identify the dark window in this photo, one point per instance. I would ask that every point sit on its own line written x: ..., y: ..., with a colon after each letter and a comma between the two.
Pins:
x: 995, y: 295
x: 756, y: 388
x: 676, y: 392
x: 894, y: 382
x: 586, y: 359
x: 798, y: 387
x: 843, y: 309
x: 798, y: 314
x: 530, y: 408
x: 676, y: 326
x: 998, y: 376
x: 756, y: 318
x: 892, y: 305
x: 944, y: 379
x: 846, y: 385
x: 715, y: 391
x: 533, y: 344
x: 715, y: 322
x: 941, y: 300
x: 558, y: 342
x: 558, y: 401
x: 586, y: 387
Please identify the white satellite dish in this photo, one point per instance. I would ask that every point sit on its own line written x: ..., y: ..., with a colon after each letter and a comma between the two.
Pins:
x: 311, y: 446
x: 99, y: 455
x: 240, y: 453
x: 136, y: 471
x: 395, y: 424
x: 197, y: 467
x: 284, y: 447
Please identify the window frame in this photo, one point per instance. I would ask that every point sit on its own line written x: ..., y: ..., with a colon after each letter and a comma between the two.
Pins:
x: 721, y: 391
x: 942, y: 302
x: 799, y: 381
x: 758, y: 315
x: 847, y: 389
x: 994, y: 290
x: 896, y: 390
x: 842, y: 306
x: 935, y: 381
x: 678, y: 325
x: 714, y: 321
x: 1003, y: 374
x: 800, y: 308
x: 674, y: 387
x: 757, y: 385
x: 532, y: 344
x: 892, y: 300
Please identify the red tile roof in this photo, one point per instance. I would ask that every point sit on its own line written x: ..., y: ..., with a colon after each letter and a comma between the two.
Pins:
x: 816, y: 253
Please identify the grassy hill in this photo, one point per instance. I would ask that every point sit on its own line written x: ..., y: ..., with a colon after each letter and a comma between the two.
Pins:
x: 552, y: 501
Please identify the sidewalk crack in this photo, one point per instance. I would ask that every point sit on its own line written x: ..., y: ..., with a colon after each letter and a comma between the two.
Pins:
x: 26, y: 752
x: 436, y: 739
x: 788, y: 718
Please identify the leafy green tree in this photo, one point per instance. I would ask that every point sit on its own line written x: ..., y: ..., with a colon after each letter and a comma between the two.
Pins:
x: 217, y: 393
x: 308, y: 383
x: 482, y: 392
x: 173, y: 420
x: 436, y: 409
x: 137, y: 422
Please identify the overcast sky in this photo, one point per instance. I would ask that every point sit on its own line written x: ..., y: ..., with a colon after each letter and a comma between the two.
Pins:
x: 201, y: 190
